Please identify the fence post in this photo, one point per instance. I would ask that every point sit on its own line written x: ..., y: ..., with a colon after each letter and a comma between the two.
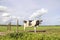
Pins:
x: 9, y: 26
x: 17, y: 24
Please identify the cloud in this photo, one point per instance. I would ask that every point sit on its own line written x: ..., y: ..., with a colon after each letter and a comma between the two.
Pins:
x: 39, y: 13
x: 5, y: 14
x: 3, y: 9
x: 6, y: 17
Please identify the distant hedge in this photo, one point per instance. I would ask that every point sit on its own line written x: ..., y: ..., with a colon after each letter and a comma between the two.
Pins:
x: 11, y: 25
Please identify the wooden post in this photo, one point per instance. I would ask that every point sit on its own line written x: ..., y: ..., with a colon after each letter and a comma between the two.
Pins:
x: 9, y: 26
x: 17, y: 24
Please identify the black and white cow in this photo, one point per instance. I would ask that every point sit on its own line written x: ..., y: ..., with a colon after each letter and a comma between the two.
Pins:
x: 32, y: 23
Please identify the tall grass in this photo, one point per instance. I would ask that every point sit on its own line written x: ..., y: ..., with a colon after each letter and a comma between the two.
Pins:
x: 30, y: 36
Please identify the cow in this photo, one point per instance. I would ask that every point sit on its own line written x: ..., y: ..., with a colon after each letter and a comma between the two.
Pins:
x: 32, y: 23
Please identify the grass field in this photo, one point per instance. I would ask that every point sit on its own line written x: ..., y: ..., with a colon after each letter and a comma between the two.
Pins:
x: 51, y: 33
x: 47, y: 28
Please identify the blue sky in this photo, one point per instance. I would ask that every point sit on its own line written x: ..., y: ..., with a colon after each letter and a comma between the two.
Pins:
x: 24, y: 8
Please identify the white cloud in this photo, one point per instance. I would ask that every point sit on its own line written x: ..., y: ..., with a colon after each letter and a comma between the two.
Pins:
x: 3, y: 9
x: 6, y: 17
x: 5, y: 14
x: 39, y: 13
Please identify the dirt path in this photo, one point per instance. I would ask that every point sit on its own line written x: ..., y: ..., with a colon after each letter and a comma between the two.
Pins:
x: 2, y: 33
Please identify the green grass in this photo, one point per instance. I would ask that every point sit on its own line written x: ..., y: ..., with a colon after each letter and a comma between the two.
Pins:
x: 47, y: 28
x: 30, y: 36
x: 52, y: 33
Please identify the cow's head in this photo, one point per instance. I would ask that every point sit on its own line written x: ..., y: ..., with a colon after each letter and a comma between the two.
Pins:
x: 38, y: 22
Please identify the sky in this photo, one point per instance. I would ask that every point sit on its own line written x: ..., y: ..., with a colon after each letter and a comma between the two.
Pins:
x: 25, y: 8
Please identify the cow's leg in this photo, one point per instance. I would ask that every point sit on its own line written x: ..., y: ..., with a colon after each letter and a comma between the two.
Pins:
x: 37, y: 26
x: 35, y: 29
x: 24, y: 28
